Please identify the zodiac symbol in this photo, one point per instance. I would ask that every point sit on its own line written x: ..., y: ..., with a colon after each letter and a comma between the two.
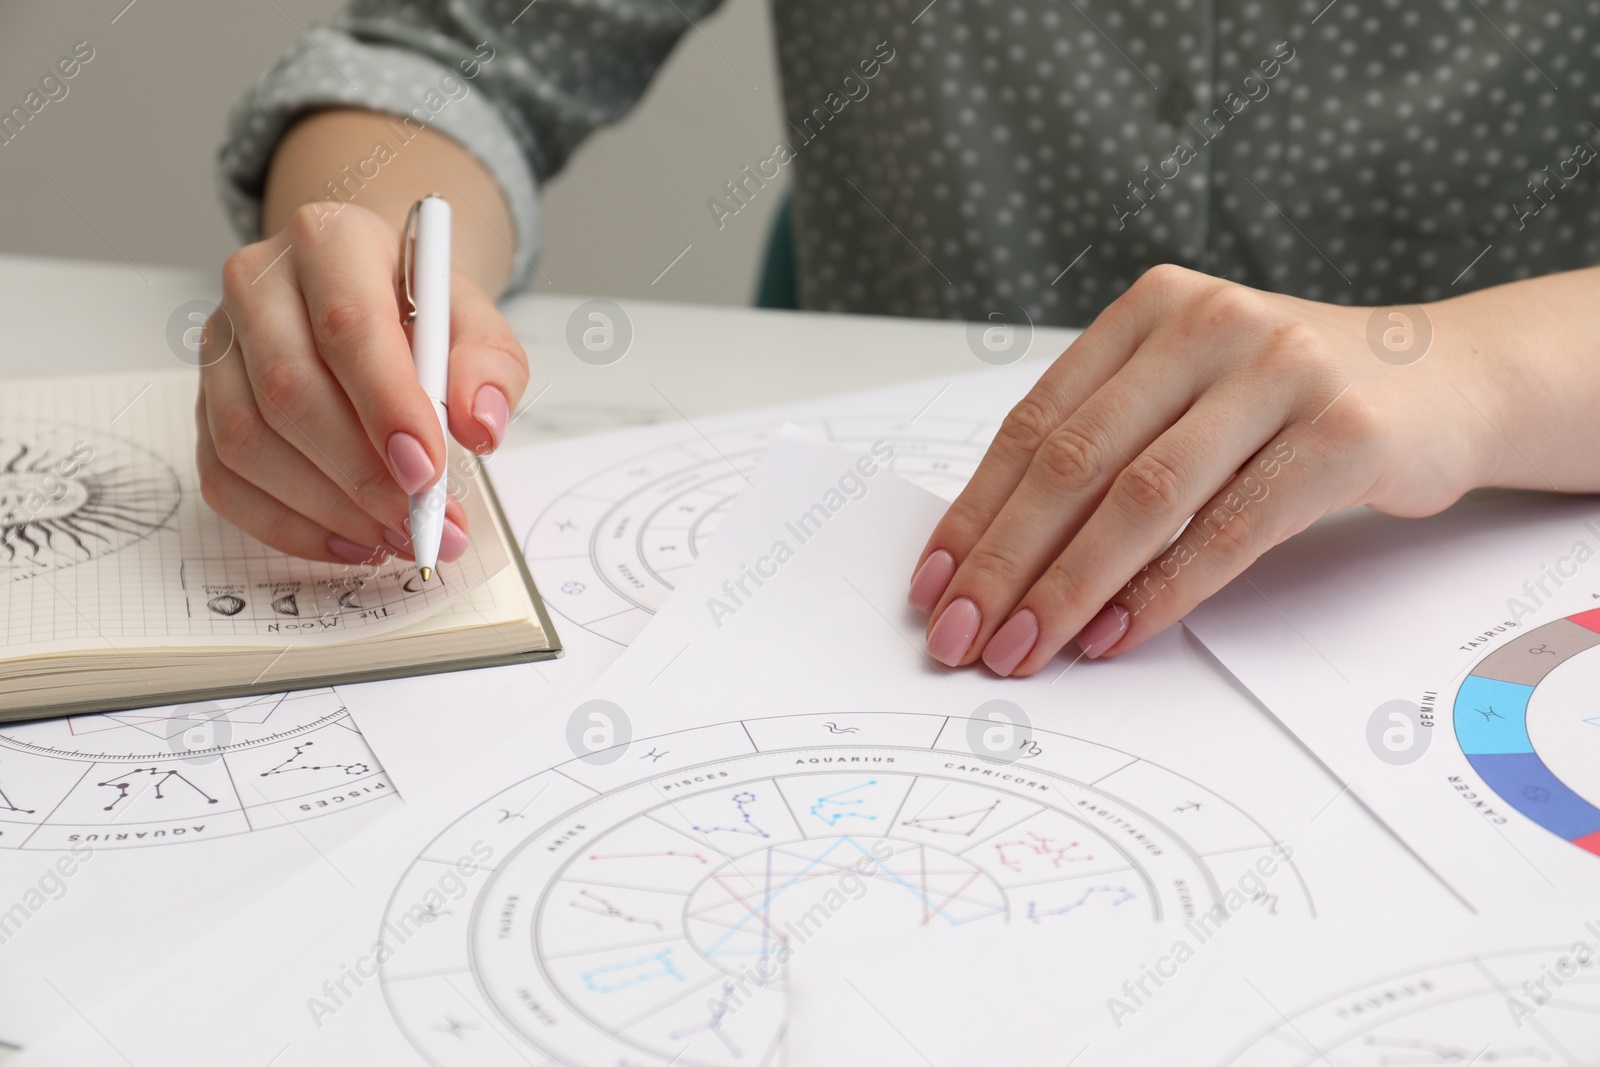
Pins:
x: 835, y: 728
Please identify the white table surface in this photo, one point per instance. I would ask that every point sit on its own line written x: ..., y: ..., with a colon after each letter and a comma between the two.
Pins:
x: 65, y: 317
x: 74, y: 317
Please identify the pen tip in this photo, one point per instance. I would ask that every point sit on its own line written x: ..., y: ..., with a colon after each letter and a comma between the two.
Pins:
x: 427, y: 572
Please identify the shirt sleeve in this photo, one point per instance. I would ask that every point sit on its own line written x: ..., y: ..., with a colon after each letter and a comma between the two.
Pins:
x: 518, y: 84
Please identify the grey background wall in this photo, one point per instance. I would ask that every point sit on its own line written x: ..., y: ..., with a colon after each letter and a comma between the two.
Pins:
x: 122, y: 166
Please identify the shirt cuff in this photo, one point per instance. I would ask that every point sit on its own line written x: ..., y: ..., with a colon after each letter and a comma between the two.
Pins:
x: 331, y: 69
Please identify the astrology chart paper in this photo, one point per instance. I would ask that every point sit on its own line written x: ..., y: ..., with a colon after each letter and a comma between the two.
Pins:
x: 125, y: 835
x: 104, y: 536
x: 611, y: 522
x: 1352, y: 993
x: 1447, y: 668
x: 593, y: 905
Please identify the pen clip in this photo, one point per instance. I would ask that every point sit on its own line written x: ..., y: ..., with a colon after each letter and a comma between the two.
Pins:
x: 408, y: 246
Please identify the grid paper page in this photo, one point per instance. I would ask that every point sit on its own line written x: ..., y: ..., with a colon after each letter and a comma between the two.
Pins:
x: 105, y: 539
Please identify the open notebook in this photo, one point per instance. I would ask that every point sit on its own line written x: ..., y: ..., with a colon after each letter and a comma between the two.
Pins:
x: 121, y: 588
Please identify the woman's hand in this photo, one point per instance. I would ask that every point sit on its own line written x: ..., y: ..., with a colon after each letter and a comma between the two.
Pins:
x: 1255, y: 413
x: 312, y: 427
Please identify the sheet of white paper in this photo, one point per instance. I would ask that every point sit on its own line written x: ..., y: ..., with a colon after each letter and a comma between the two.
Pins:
x: 104, y: 537
x: 123, y: 836
x: 610, y: 523
x: 1447, y: 669
x: 1345, y: 993
x: 613, y: 896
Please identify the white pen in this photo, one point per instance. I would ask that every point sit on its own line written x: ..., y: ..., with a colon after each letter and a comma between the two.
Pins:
x: 425, y: 266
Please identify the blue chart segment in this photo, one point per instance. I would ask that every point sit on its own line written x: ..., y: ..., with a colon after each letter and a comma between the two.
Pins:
x: 645, y: 911
x: 1491, y: 716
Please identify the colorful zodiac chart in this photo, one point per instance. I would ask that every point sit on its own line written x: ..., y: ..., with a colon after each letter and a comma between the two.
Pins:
x: 1528, y: 720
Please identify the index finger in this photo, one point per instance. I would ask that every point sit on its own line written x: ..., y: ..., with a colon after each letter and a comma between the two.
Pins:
x: 349, y: 277
x: 1086, y: 365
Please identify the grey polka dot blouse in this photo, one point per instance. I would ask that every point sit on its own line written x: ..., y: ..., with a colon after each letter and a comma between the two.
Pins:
x: 951, y: 157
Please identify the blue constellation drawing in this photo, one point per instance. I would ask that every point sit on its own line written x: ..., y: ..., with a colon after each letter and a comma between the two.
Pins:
x: 633, y: 972
x: 740, y: 801
x: 1122, y: 895
x: 830, y: 809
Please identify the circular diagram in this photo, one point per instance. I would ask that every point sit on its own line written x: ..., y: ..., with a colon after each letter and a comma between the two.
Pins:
x: 609, y: 550
x: 644, y: 910
x: 1528, y: 721
x: 67, y: 496
x: 1452, y: 1012
x: 164, y: 776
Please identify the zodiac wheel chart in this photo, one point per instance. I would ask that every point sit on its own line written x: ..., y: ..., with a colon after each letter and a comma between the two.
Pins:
x: 165, y: 776
x: 609, y: 549
x: 1527, y: 719
x: 1450, y: 1012
x: 638, y: 905
x: 68, y: 496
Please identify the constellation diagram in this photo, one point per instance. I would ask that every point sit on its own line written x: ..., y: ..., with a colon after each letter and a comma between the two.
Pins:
x: 69, y: 495
x: 835, y: 807
x: 1454, y: 1012
x: 645, y: 913
x: 957, y: 823
x: 159, y: 777
x: 610, y: 548
x: 599, y: 905
x: 163, y: 776
x: 1018, y: 854
x: 742, y: 802
x: 292, y: 763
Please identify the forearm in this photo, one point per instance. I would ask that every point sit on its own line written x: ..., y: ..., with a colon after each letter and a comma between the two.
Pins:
x: 319, y: 149
x: 1538, y: 344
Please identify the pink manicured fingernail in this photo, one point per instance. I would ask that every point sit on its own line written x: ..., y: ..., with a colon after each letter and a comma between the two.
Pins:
x: 952, y: 634
x: 931, y: 579
x: 1103, y: 631
x: 350, y: 551
x: 410, y: 462
x: 490, y: 409
x: 398, y: 539
x: 1012, y: 643
x: 453, y: 542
